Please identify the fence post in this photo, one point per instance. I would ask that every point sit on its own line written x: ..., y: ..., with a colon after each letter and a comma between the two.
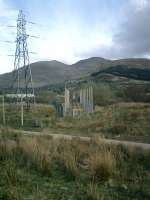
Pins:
x: 21, y: 111
x: 3, y: 103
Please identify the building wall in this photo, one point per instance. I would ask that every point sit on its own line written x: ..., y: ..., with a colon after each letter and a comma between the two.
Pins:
x: 86, y: 99
x: 78, y: 101
x: 67, y: 106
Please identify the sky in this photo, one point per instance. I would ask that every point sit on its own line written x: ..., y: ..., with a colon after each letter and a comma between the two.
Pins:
x: 71, y: 30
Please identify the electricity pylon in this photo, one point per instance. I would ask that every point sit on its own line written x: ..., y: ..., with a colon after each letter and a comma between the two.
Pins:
x: 22, y: 76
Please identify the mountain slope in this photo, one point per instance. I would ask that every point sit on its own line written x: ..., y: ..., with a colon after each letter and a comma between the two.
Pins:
x: 43, y: 73
x: 125, y: 71
x: 139, y: 63
x: 51, y: 72
x: 91, y: 65
x: 54, y: 72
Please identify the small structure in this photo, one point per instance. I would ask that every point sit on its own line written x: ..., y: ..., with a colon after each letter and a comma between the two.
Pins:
x: 78, y: 100
x: 58, y: 107
x: 58, y: 104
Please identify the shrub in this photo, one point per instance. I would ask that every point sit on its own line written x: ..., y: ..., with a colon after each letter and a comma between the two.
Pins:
x: 101, y: 164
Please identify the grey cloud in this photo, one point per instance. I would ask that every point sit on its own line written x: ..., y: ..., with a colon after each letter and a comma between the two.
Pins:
x: 132, y: 39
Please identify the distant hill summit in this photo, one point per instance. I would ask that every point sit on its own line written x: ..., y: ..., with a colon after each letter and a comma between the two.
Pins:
x: 54, y: 72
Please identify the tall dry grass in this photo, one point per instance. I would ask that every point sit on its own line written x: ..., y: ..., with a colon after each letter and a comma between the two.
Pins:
x: 92, y: 192
x: 14, y: 194
x: 74, y: 156
x: 10, y: 172
x: 36, y: 153
x: 101, y: 164
x: 68, y: 156
x: 6, y: 148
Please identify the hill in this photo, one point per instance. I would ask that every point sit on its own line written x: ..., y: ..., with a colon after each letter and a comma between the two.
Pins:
x: 123, y: 71
x: 54, y: 72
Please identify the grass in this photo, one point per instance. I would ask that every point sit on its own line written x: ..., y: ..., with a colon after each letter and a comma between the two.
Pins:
x: 102, y: 164
x: 69, y: 160
x: 126, y: 121
x: 35, y: 153
x: 40, y: 116
x: 93, y: 192
x: 44, y: 168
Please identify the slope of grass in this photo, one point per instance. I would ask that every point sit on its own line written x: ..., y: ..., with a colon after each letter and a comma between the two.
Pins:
x: 125, y: 71
x: 128, y: 121
x: 36, y: 118
x: 124, y: 121
x: 44, y: 169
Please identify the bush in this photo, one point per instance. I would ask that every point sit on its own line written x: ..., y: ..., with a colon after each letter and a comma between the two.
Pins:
x: 101, y: 164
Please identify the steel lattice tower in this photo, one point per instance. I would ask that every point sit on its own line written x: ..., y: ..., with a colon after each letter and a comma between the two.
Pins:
x: 22, y: 76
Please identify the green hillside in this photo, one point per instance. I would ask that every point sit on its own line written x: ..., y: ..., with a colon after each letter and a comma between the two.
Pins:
x: 53, y: 72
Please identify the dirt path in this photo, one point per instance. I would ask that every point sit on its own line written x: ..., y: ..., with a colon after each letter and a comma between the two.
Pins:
x: 109, y: 141
x: 70, y: 137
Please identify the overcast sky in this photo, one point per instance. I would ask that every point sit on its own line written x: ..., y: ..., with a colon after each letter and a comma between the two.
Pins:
x: 71, y: 30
